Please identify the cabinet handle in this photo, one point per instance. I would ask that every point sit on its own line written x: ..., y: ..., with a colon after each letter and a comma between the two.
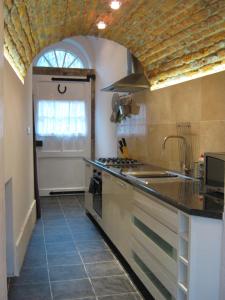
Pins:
x: 88, y: 166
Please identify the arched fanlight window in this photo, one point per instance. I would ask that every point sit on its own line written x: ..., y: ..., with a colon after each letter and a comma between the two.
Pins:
x: 59, y: 59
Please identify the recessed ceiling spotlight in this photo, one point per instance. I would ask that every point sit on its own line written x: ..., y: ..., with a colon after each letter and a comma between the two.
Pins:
x: 115, y: 4
x: 101, y: 25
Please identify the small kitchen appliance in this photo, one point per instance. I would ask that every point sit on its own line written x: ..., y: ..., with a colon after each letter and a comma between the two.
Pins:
x: 214, y: 171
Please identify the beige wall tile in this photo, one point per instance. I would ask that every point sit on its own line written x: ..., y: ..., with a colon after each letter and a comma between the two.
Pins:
x: 186, y: 101
x: 212, y: 136
x: 213, y: 97
x: 194, y: 102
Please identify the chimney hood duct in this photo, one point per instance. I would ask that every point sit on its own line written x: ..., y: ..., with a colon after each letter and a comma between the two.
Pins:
x: 134, y: 82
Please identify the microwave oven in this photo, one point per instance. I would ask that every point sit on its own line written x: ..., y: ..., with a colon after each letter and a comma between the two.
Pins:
x: 214, y: 171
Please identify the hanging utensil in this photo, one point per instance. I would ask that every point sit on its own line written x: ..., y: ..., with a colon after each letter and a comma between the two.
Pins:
x: 125, y: 149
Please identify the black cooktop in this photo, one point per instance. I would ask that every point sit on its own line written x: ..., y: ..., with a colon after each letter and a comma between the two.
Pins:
x: 117, y: 161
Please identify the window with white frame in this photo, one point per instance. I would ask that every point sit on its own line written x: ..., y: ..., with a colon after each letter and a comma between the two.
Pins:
x: 58, y: 58
x: 61, y: 118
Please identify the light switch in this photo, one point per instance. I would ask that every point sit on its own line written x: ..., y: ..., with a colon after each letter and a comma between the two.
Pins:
x: 28, y: 130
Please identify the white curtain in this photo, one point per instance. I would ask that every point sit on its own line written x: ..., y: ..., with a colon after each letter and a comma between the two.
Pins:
x: 62, y: 124
x: 61, y: 118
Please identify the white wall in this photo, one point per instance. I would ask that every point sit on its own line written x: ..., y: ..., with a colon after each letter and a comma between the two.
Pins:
x: 18, y: 156
x: 3, y: 289
x: 111, y: 65
x: 109, y: 59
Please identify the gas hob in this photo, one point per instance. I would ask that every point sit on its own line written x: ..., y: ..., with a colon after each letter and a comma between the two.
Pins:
x: 117, y: 161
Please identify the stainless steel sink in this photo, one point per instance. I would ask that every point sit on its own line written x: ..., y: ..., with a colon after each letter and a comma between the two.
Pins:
x: 152, y: 180
x: 150, y: 174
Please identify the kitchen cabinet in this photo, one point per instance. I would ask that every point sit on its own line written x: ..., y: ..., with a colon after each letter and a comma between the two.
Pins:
x: 116, y: 211
x: 176, y: 255
x: 154, y: 247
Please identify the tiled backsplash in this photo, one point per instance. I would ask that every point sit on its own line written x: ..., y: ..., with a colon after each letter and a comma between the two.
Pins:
x: 195, y: 109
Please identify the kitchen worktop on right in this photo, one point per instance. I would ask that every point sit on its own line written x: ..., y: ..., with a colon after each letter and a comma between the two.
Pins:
x: 186, y: 194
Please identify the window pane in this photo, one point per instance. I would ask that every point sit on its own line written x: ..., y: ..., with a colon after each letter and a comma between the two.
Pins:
x: 42, y: 62
x: 60, y: 57
x: 69, y: 59
x: 61, y: 118
x: 50, y: 56
x: 77, y: 64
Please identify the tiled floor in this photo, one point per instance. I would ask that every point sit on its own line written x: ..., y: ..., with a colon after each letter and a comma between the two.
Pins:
x: 67, y: 259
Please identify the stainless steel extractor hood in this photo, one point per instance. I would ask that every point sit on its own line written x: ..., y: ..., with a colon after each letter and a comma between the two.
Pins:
x: 134, y: 82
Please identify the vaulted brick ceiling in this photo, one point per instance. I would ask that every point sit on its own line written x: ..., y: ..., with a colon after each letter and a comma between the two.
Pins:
x: 171, y: 38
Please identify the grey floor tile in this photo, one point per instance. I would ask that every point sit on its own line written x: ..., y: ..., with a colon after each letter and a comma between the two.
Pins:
x: 58, y: 237
x: 69, y: 233
x: 88, y: 298
x: 57, y: 227
x: 74, y: 213
x: 80, y: 220
x: 67, y: 209
x: 81, y: 203
x: 35, y: 258
x: 37, y: 241
x: 104, y: 269
x: 81, y: 227
x: 38, y: 229
x: 51, y: 210
x: 62, y: 273
x: 73, y: 289
x: 96, y: 256
x: 50, y: 216
x: 105, y: 286
x: 87, y: 235
x: 55, y: 222
x: 64, y: 259
x: 31, y: 276
x: 30, y: 292
x: 130, y: 296
x: 54, y: 203
x: 97, y: 245
x: 60, y: 247
x: 54, y: 231
x: 69, y: 203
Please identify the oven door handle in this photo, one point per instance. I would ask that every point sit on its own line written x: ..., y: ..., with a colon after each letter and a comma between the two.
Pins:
x: 97, y: 181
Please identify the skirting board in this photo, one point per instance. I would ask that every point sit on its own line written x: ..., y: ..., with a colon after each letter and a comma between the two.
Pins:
x: 46, y: 192
x: 24, y: 237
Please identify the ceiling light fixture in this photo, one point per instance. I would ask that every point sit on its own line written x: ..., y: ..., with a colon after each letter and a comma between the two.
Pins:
x: 101, y: 25
x: 115, y: 4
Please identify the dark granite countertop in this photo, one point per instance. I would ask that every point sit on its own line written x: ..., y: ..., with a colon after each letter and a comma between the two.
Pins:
x: 186, y: 194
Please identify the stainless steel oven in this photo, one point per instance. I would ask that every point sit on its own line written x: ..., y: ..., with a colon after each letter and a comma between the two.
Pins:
x: 96, y: 189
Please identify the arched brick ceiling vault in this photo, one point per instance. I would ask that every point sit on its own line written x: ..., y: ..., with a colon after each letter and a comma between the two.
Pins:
x: 170, y: 37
